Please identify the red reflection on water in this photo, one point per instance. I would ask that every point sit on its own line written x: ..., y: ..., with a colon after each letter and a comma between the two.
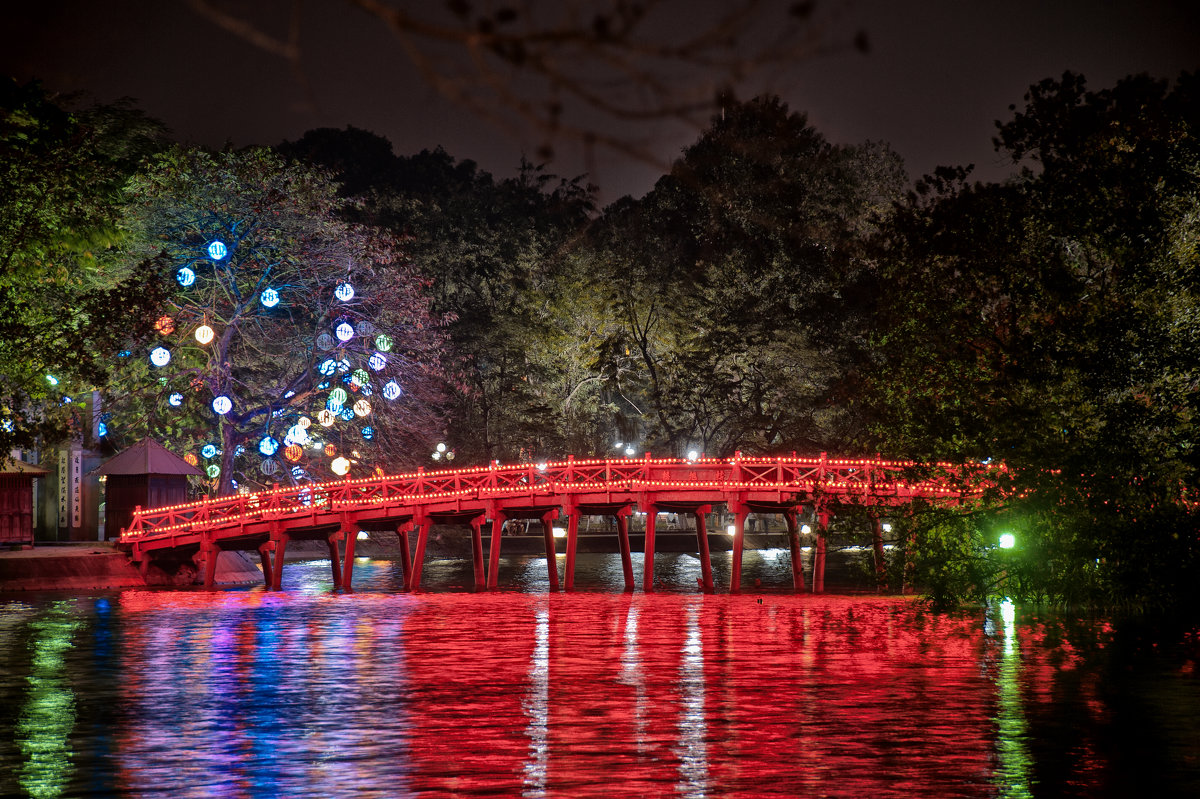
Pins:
x: 570, y: 695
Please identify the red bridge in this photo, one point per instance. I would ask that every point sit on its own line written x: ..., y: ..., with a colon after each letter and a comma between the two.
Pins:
x: 336, y: 511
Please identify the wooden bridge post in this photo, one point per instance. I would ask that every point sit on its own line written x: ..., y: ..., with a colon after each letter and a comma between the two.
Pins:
x: 551, y: 554
x: 572, y: 542
x: 335, y: 557
x: 405, y: 552
x: 789, y: 517
x: 880, y: 562
x: 413, y: 580
x: 739, y: 529
x: 281, y: 542
x: 648, y: 549
x: 349, y: 531
x: 209, y: 551
x: 493, y: 577
x: 477, y: 551
x: 265, y: 550
x: 702, y: 545
x: 818, y: 580
x: 623, y: 543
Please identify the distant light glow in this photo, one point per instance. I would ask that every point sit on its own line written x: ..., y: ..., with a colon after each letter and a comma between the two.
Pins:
x: 344, y: 292
x: 185, y: 276
x: 630, y: 451
x: 269, y: 298
x: 222, y: 405
x: 805, y: 529
x: 217, y: 250
x: 344, y: 331
x: 1007, y: 541
x: 160, y: 356
x: 693, y: 455
x: 52, y: 380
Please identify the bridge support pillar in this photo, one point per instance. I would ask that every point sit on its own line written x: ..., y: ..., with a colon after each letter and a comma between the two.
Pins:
x: 648, y: 550
x: 706, y: 580
x: 477, y: 551
x: 572, y: 543
x: 880, y: 562
x: 739, y: 531
x: 335, y: 558
x: 623, y: 542
x: 818, y: 580
x: 413, y: 579
x: 551, y: 554
x: 405, y: 552
x: 209, y: 553
x: 493, y: 577
x: 789, y: 517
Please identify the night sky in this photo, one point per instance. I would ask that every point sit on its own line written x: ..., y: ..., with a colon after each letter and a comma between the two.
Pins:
x: 936, y: 77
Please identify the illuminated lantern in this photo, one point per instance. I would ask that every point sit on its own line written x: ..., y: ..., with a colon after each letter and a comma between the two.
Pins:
x: 269, y: 298
x: 208, y: 451
x: 344, y: 292
x: 391, y: 390
x: 222, y: 405
x: 340, y: 466
x: 333, y: 405
x: 175, y: 400
x: 204, y: 334
x: 362, y: 408
x: 293, y: 452
x: 327, y: 367
x: 296, y: 435
x: 326, y: 417
x: 383, y: 342
x: 213, y: 470
x: 102, y: 429
x: 160, y: 356
x: 330, y: 450
x: 304, y: 422
x: 344, y: 331
x: 361, y: 377
x: 377, y: 361
x: 191, y: 459
x: 347, y: 413
x: 267, y: 446
x: 217, y: 250
x: 185, y: 277
x: 165, y: 325
x: 339, y: 395
x: 368, y: 433
x: 298, y: 473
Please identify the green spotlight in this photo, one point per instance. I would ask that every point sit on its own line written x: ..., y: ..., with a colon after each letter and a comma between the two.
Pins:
x: 1007, y: 541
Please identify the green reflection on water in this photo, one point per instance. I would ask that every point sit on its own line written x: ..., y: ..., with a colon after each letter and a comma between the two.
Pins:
x: 48, y: 715
x: 1012, y: 734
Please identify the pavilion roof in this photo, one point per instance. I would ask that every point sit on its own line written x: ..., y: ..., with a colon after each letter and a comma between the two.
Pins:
x: 147, y: 457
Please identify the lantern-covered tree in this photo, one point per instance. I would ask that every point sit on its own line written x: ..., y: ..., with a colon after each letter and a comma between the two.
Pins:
x: 294, y: 347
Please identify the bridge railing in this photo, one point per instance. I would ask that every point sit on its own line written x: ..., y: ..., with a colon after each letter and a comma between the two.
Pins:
x: 821, y: 476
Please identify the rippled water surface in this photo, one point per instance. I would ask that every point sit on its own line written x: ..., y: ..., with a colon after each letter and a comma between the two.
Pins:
x: 303, y: 692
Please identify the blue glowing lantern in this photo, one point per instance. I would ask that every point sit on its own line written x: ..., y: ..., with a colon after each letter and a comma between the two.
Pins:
x: 327, y: 367
x: 348, y: 414
x: 268, y: 446
x: 377, y: 361
x: 269, y: 298
x: 344, y: 292
x: 160, y: 356
x: 175, y: 399
x: 102, y: 430
x: 217, y: 250
x: 391, y: 390
x: 185, y: 276
x: 222, y: 405
x: 344, y: 331
x: 208, y: 451
x: 368, y: 433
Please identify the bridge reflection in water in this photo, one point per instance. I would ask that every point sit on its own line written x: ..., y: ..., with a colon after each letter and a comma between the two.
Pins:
x: 592, y: 694
x: 335, y: 512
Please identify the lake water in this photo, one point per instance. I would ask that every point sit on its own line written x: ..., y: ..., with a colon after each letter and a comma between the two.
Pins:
x: 242, y: 692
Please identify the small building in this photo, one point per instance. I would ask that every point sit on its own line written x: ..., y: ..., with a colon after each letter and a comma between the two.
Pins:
x: 147, y: 474
x: 16, y: 501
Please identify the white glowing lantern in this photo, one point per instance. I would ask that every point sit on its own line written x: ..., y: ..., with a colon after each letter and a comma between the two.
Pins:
x: 362, y: 407
x: 222, y: 405
x: 344, y: 331
x: 269, y: 298
x: 344, y: 292
x: 217, y: 250
x: 185, y: 276
x: 296, y: 435
x: 160, y: 356
x: 304, y: 422
x: 204, y: 334
x: 340, y: 465
x: 377, y: 361
x: 326, y: 417
x: 175, y: 399
x: 391, y: 390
